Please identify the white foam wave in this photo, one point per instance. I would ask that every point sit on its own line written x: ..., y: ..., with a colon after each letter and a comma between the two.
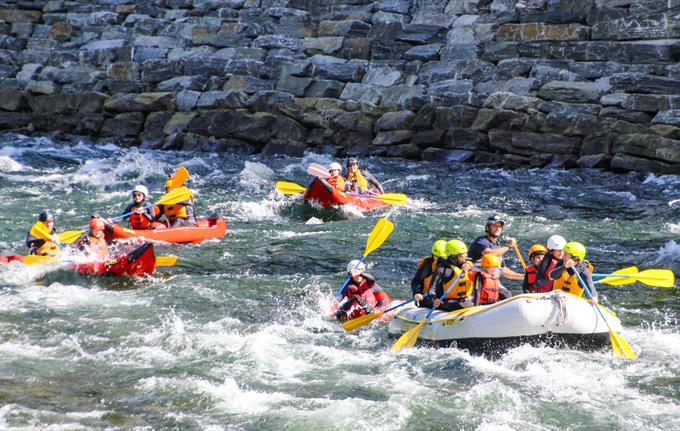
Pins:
x: 9, y: 165
x: 256, y: 175
x: 314, y: 220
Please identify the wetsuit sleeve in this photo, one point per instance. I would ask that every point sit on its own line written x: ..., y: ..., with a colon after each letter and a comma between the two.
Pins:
x: 477, y: 289
x: 587, y: 277
x: 557, y: 271
x: 435, y: 281
x: 421, y: 274
x: 542, y: 279
x: 525, y: 283
x: 446, y: 275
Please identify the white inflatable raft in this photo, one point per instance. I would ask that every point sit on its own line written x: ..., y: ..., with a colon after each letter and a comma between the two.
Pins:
x: 554, y: 318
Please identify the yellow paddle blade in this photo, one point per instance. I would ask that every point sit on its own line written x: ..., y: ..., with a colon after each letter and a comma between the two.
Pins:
x: 69, y: 236
x: 39, y: 260
x: 39, y: 230
x: 175, y: 196
x: 380, y: 232
x: 360, y: 321
x: 289, y: 188
x: 166, y: 260
x: 392, y: 198
x: 180, y: 176
x: 408, y: 338
x: 657, y: 277
x: 617, y: 281
x: 620, y: 346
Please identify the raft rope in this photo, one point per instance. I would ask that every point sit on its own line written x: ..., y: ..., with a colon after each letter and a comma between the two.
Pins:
x: 561, y: 311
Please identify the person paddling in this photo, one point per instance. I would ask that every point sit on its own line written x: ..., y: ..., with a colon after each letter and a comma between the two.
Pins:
x: 487, y: 282
x: 447, y: 271
x: 41, y: 246
x: 145, y: 213
x: 93, y: 244
x: 573, y: 259
x: 181, y: 213
x: 420, y: 284
x: 488, y: 244
x: 555, y: 245
x: 362, y: 289
x: 361, y: 181
x: 537, y: 253
x: 336, y: 179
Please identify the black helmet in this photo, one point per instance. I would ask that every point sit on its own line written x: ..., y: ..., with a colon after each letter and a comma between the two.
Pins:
x: 495, y: 219
x: 45, y: 216
x: 352, y: 161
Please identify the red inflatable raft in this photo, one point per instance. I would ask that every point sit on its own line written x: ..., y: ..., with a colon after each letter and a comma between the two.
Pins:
x: 323, y: 193
x: 8, y: 259
x: 139, y: 262
x: 356, y: 310
x: 205, y: 229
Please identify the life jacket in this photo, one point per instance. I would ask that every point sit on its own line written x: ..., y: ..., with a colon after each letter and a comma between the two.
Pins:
x: 569, y: 283
x: 93, y: 246
x: 490, y: 288
x: 337, y: 182
x: 178, y: 210
x: 358, y: 179
x: 362, y: 289
x: 463, y: 287
x: 546, y: 281
x: 142, y: 221
x: 48, y: 249
x: 427, y: 280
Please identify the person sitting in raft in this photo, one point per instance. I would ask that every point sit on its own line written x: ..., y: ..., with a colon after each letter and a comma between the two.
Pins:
x: 145, y: 213
x: 336, y: 180
x: 361, y: 181
x: 460, y: 296
x: 537, y: 253
x: 564, y: 273
x: 420, y: 284
x: 542, y: 282
x: 487, y: 282
x: 93, y: 244
x: 41, y: 246
x: 488, y: 243
x: 181, y: 213
x: 361, y: 285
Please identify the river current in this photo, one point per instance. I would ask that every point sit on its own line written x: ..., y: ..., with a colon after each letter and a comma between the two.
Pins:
x: 237, y: 334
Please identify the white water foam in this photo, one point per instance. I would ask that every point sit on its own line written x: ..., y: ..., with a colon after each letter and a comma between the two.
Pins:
x: 9, y: 165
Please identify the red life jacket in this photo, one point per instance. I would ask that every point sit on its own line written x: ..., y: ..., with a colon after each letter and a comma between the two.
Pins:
x: 362, y: 289
x: 490, y: 289
x: 549, y: 285
x: 530, y: 272
x: 142, y: 221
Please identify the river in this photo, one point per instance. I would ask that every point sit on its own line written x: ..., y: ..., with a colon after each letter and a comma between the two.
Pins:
x: 237, y: 334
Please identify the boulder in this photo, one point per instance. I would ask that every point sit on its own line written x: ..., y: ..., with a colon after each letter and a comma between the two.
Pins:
x: 144, y: 102
x: 544, y: 32
x: 123, y: 125
x: 352, y: 28
x: 504, y: 119
x: 529, y: 143
x: 644, y: 83
x: 322, y: 45
x: 13, y: 100
x: 578, y: 92
x: 393, y: 137
x: 222, y: 99
x: 394, y: 121
x: 671, y: 117
x: 511, y: 101
x: 625, y: 162
x: 179, y: 122
x: 362, y: 93
x: 648, y: 146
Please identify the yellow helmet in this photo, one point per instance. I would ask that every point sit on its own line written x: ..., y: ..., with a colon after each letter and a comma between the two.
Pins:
x: 537, y: 248
x: 439, y: 248
x: 490, y: 260
x: 576, y: 249
x: 455, y: 247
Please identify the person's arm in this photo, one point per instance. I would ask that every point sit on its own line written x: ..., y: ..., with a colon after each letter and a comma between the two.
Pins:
x: 435, y: 283
x: 477, y: 289
x: 557, y: 271
x: 373, y: 283
x: 525, y: 283
x: 587, y: 277
x: 510, y: 274
x: 417, y: 280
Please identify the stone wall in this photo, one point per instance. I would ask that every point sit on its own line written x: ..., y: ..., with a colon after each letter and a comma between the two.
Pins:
x: 591, y: 83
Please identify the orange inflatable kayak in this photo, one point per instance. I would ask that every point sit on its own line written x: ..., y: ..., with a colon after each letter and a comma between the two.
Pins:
x: 211, y: 228
x: 323, y: 193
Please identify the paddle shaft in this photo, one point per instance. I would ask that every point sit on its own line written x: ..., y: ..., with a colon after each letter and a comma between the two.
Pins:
x: 404, y: 303
x: 519, y: 256
x: 441, y: 298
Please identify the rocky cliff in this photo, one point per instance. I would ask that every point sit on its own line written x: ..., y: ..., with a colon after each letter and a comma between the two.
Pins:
x: 591, y: 83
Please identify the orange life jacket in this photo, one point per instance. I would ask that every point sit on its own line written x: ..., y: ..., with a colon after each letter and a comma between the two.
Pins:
x: 490, y: 289
x: 337, y: 182
x: 428, y: 279
x: 463, y: 288
x: 569, y: 283
x: 142, y: 221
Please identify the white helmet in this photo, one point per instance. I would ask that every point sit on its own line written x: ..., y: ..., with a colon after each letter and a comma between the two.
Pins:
x: 356, y: 264
x: 335, y: 165
x: 141, y: 189
x: 556, y: 242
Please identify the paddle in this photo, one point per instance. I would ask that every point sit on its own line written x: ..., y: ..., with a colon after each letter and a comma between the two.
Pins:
x: 409, y: 338
x: 620, y: 346
x: 616, y: 279
x: 180, y: 176
x: 289, y: 188
x: 650, y: 277
x: 383, y: 228
x: 44, y: 260
x: 40, y: 231
x: 519, y: 256
x: 176, y: 195
x: 364, y: 320
x: 317, y: 170
x: 388, y: 198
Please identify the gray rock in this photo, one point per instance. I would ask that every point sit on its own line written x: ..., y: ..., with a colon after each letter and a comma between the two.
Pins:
x: 105, y: 45
x: 643, y: 83
x: 570, y: 108
x: 41, y: 87
x: 428, y: 138
x: 394, y: 121
x: 427, y: 52
x: 382, y: 76
x: 625, y: 115
x: 198, y: 52
x: 511, y: 101
x: 274, y: 41
x: 381, y: 17
x: 248, y: 84
x: 123, y: 125
x: 624, y: 162
x: 222, y: 99
x: 144, y: 102
x: 325, y: 88
x: 293, y: 85
x: 528, y: 143
x: 55, y: 104
x: 421, y: 33
x: 648, y: 146
x: 187, y: 100
x: 410, y: 97
x: 352, y: 28
x: 488, y: 119
x: 393, y: 137
x: 143, y: 54
x: 671, y: 117
x: 241, y: 53
x: 447, y: 156
x: 579, y: 92
x: 330, y: 68
x: 183, y: 83
x: 322, y: 45
x: 28, y: 72
x: 13, y: 100
x: 395, y: 6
